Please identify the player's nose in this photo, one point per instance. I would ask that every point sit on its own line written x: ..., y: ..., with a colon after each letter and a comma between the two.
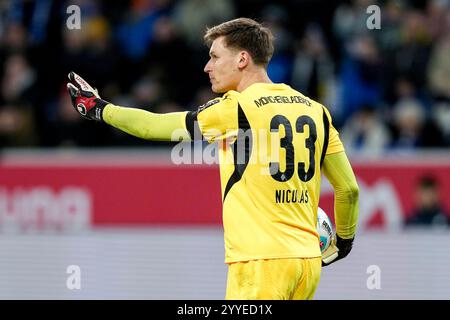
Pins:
x: 207, y: 68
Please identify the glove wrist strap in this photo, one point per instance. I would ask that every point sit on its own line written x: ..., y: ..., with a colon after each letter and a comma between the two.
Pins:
x: 96, y: 113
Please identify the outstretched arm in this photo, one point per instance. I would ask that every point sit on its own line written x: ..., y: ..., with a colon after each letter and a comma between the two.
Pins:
x: 140, y: 123
x: 147, y: 125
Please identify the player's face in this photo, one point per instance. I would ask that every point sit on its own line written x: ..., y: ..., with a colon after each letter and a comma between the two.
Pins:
x: 222, y: 67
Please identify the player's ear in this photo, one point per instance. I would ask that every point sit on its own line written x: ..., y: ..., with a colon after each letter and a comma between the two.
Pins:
x: 244, y: 59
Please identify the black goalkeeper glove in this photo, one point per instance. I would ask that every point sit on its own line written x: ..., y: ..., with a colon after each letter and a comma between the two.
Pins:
x: 85, y: 99
x: 338, y: 249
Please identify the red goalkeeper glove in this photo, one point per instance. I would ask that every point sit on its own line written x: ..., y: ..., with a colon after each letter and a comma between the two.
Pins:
x: 85, y: 99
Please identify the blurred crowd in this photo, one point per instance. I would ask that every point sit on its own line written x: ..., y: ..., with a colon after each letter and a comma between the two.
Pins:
x: 387, y: 88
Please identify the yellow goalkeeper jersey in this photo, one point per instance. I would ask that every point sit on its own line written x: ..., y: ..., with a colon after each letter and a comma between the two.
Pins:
x: 272, y: 142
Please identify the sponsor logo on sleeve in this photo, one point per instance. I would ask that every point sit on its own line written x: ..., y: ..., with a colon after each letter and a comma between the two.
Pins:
x: 208, y: 104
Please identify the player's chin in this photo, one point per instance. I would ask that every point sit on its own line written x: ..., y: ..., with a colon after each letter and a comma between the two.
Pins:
x: 217, y: 89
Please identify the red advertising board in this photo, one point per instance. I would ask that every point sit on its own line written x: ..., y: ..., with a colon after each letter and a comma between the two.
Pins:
x: 70, y: 195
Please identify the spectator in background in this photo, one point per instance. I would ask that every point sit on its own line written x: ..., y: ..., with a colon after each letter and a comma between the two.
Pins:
x: 69, y: 130
x: 15, y: 38
x: 97, y: 56
x: 4, y: 6
x: 17, y: 93
x: 165, y: 63
x: 410, y: 118
x: 19, y: 80
x: 436, y: 17
x: 313, y: 67
x: 147, y: 93
x: 360, y: 75
x: 412, y: 129
x: 365, y: 133
x: 405, y: 89
x: 391, y: 20
x: 441, y: 116
x: 412, y: 56
x: 206, y: 13
x: 73, y: 48
x: 135, y: 37
x: 350, y: 19
x: 280, y: 66
x: 390, y: 40
x: 438, y: 72
x: 135, y: 33
x: 428, y: 209
x: 16, y: 126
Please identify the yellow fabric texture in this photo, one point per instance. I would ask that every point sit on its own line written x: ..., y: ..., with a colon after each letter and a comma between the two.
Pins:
x: 275, y: 279
x: 147, y: 125
x: 338, y: 171
x: 220, y: 125
x: 268, y: 212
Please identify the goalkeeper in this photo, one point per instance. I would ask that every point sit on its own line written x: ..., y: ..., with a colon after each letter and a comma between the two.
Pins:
x: 270, y: 199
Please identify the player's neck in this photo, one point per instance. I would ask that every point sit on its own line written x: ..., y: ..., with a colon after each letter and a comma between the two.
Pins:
x: 257, y: 76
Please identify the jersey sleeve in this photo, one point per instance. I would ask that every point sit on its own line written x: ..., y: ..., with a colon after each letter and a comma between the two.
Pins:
x: 147, y: 125
x: 334, y: 143
x: 217, y: 119
x: 340, y: 174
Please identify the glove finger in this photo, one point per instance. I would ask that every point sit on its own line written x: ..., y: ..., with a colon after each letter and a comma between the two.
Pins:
x: 71, y: 77
x: 81, y: 83
x: 73, y: 91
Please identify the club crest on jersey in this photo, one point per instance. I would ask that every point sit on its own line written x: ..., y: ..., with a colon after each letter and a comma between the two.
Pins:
x: 208, y: 104
x: 81, y: 109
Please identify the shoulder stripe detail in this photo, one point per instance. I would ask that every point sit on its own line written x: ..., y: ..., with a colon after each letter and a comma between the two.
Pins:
x: 192, y: 125
x: 326, y: 136
x: 242, y: 146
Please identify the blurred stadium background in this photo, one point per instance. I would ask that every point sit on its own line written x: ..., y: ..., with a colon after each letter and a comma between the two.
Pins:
x: 73, y: 192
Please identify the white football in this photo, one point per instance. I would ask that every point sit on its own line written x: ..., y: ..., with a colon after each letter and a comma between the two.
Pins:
x: 325, y: 229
